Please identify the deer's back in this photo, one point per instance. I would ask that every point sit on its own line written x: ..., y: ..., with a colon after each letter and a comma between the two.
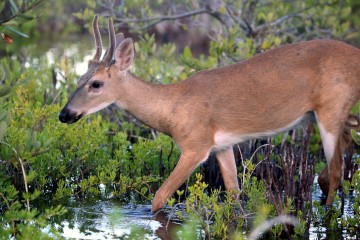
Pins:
x: 295, y: 76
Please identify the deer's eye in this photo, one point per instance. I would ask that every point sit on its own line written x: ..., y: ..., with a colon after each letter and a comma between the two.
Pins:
x: 96, y: 84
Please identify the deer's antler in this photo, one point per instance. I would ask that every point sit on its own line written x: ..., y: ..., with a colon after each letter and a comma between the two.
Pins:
x: 98, y: 42
x: 110, y: 51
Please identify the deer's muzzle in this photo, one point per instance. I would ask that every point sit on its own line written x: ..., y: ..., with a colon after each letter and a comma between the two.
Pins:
x: 68, y: 116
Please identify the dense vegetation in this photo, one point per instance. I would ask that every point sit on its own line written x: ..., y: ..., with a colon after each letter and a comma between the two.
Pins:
x: 112, y: 156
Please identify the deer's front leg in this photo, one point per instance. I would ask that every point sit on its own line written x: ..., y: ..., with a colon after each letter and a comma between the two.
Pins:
x: 189, y: 160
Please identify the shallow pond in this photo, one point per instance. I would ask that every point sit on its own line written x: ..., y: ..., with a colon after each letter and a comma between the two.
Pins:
x: 112, y: 220
x: 106, y: 220
x: 322, y: 232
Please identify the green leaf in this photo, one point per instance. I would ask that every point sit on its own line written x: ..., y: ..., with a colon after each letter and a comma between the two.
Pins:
x: 355, y: 136
x: 3, y: 113
x: 3, y: 127
x: 266, y: 44
x: 31, y: 176
x: 16, y: 31
x: 91, y: 4
x: 222, y: 10
x: 2, y: 5
x: 187, y: 53
x: 11, y: 23
x: 14, y: 6
x: 5, y: 90
x: 25, y: 17
x: 29, y: 144
x: 170, y: 202
x: 346, y: 187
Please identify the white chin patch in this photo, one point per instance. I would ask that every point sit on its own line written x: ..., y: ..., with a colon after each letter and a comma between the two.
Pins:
x: 98, y: 108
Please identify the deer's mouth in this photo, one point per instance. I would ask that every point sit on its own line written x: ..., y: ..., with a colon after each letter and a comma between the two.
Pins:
x: 68, y: 116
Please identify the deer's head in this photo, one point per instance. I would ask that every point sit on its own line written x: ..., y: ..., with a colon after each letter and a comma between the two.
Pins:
x: 97, y: 88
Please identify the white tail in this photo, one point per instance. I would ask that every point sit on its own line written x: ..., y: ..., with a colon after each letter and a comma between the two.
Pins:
x: 215, y: 109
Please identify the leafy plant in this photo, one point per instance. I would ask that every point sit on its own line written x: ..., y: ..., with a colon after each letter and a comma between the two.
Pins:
x: 12, y: 14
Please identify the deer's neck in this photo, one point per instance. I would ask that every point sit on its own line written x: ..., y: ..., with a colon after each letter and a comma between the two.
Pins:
x: 148, y: 102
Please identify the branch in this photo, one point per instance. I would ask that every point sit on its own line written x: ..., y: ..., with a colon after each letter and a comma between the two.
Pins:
x: 275, y: 23
x: 282, y: 219
x: 23, y: 172
x: 21, y: 12
x: 162, y: 18
x: 159, y: 19
x: 241, y: 22
x: 283, y: 19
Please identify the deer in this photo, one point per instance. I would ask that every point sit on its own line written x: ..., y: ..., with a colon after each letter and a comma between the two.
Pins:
x: 212, y: 110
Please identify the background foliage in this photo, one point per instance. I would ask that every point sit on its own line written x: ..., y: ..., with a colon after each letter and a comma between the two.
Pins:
x: 110, y: 155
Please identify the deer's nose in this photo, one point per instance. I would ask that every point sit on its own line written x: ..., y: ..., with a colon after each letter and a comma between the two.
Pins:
x: 68, y: 116
x: 64, y: 117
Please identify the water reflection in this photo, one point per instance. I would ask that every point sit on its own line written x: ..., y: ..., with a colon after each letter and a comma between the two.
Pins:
x: 318, y: 231
x: 78, y: 53
x: 111, y: 220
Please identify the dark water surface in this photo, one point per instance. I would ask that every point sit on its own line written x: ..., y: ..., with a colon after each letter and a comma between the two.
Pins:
x: 324, y: 232
x: 112, y: 220
x: 106, y: 220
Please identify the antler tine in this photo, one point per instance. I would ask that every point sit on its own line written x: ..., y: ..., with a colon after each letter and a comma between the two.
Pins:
x: 98, y: 43
x: 110, y: 51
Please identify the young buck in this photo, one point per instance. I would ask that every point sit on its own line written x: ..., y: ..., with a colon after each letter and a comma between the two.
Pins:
x: 215, y: 109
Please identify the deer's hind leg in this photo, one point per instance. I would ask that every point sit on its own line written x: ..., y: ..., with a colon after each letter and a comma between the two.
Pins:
x: 332, y: 152
x: 344, y: 142
x: 331, y: 120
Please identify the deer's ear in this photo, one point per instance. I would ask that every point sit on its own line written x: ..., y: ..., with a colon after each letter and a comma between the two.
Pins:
x: 119, y: 37
x: 124, y: 54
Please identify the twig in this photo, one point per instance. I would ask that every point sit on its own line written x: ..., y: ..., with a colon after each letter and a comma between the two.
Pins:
x: 5, y: 200
x: 251, y: 158
x: 264, y: 145
x: 276, y: 22
x: 159, y: 19
x: 163, y: 18
x: 282, y: 219
x: 283, y: 19
x: 21, y: 11
x: 23, y: 172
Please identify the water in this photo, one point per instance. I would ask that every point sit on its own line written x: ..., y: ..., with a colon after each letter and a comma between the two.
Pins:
x: 324, y: 232
x: 112, y: 220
